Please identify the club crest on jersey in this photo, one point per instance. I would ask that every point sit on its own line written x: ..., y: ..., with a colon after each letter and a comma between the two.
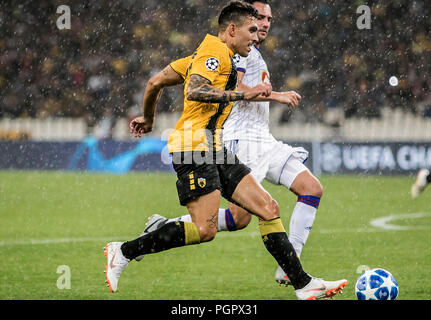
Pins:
x: 212, y: 64
x: 265, y: 77
x: 202, y: 182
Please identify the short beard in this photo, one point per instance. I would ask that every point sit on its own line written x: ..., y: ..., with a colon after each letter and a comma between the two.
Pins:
x: 260, y: 41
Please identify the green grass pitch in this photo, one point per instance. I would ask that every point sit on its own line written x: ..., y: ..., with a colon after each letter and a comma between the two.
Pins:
x: 55, y: 219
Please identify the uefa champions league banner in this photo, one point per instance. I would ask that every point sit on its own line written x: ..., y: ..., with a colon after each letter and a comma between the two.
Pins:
x: 92, y: 155
x: 150, y: 154
x: 370, y: 158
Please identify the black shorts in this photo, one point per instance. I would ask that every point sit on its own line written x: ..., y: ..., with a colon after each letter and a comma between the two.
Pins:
x: 199, y: 173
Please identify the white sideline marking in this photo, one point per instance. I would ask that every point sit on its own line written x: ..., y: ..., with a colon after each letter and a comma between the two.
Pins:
x: 378, y: 225
x: 55, y: 240
x: 383, y: 222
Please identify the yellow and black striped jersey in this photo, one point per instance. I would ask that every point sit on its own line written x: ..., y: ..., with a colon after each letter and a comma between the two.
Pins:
x: 201, y: 123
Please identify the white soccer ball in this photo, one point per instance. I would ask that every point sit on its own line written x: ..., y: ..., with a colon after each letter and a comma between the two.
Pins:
x: 376, y: 284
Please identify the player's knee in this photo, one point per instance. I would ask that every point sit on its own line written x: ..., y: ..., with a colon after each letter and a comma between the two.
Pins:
x: 243, y: 221
x: 316, y: 189
x: 313, y: 188
x: 207, y: 233
x: 271, y: 209
x: 275, y: 208
x: 240, y: 217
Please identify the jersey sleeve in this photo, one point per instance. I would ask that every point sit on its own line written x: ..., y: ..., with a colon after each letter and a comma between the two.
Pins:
x: 180, y: 66
x: 208, y: 64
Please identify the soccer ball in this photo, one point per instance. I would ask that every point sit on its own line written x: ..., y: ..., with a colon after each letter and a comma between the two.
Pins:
x: 376, y: 284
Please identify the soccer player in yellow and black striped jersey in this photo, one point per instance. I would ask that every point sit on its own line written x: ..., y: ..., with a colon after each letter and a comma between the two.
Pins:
x: 200, y: 126
x: 210, y: 89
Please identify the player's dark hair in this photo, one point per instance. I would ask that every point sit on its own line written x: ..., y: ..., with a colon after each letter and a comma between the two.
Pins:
x: 253, y: 1
x: 236, y: 12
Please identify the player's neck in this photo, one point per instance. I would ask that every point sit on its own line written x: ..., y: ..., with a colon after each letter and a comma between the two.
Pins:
x: 222, y: 37
x: 225, y: 39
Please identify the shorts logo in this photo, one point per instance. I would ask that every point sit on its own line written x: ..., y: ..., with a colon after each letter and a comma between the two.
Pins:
x: 212, y: 64
x: 192, y: 181
x: 202, y: 182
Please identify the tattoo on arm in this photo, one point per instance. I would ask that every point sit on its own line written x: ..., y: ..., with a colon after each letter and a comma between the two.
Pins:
x: 200, y: 89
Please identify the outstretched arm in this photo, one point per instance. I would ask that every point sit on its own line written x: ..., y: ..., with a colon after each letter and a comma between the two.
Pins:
x: 291, y: 98
x: 165, y: 78
x: 200, y: 89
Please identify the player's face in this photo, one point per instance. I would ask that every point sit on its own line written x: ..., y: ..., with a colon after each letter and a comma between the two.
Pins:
x: 264, y: 19
x: 246, y: 37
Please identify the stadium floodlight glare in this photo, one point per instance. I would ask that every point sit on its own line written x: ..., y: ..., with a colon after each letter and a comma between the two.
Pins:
x: 393, y: 81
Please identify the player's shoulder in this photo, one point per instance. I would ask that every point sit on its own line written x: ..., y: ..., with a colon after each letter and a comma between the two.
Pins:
x: 255, y: 54
x: 213, y: 45
x: 213, y: 41
x: 214, y: 54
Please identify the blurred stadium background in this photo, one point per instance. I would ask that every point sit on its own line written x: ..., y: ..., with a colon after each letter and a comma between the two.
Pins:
x: 66, y: 84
